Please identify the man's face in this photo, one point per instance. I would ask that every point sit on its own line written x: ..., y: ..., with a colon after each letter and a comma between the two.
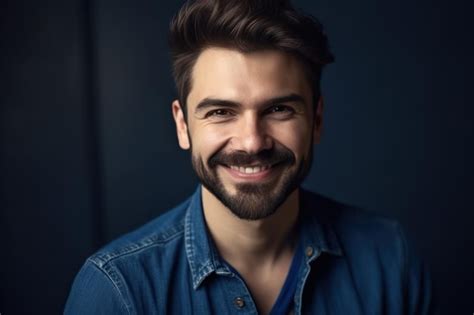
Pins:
x: 251, y: 125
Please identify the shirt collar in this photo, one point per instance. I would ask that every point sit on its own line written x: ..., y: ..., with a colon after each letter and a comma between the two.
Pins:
x: 317, y: 232
x: 202, y: 255
x: 316, y: 236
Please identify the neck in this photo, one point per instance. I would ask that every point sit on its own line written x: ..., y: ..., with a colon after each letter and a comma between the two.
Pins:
x: 244, y: 243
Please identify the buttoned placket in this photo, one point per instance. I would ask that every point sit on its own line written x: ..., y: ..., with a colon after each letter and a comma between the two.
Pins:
x: 311, y: 253
x: 239, y: 294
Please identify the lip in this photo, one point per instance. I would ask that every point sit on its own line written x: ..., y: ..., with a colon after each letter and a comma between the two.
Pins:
x: 260, y: 176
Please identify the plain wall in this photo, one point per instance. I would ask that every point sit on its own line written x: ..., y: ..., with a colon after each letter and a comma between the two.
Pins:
x: 88, y: 149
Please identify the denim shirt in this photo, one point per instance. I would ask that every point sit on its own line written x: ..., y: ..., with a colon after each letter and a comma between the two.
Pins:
x: 353, y: 263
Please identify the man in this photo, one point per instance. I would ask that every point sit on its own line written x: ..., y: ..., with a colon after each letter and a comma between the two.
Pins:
x: 250, y: 240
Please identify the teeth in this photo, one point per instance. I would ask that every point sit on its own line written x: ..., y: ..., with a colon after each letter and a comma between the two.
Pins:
x: 250, y: 169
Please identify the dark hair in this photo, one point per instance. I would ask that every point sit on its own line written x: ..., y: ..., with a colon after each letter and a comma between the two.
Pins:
x: 245, y: 25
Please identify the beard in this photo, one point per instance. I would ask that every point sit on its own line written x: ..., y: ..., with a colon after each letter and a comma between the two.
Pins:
x: 254, y: 201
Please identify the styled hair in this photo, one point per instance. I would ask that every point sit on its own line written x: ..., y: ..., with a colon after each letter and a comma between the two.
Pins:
x: 245, y: 25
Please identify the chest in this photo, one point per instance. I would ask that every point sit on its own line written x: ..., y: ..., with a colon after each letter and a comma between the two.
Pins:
x: 265, y: 287
x: 326, y: 288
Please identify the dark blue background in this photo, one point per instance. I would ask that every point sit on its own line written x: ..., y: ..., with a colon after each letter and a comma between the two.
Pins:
x: 88, y: 148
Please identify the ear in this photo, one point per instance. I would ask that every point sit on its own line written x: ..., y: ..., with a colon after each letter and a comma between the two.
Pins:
x: 181, y: 126
x: 318, y: 121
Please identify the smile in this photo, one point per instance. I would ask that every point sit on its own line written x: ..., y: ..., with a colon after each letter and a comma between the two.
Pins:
x: 250, y: 169
x: 250, y: 172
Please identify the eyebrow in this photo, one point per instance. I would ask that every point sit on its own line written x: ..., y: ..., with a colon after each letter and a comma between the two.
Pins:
x: 213, y: 102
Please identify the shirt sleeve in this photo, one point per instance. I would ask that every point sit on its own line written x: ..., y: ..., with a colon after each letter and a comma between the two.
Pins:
x: 418, y: 288
x: 94, y: 292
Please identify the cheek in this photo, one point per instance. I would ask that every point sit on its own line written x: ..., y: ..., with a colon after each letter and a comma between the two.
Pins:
x: 294, y: 136
x: 207, y: 141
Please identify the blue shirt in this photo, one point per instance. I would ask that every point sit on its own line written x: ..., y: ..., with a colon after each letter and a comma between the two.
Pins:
x: 352, y: 263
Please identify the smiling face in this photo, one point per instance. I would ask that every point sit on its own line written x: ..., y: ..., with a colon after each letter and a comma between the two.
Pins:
x: 251, y: 123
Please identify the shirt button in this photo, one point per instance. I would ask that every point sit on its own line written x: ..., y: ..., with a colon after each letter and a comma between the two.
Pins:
x: 239, y: 302
x: 309, y: 251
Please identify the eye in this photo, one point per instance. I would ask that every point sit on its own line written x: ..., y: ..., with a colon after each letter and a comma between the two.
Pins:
x: 220, y: 112
x: 280, y: 109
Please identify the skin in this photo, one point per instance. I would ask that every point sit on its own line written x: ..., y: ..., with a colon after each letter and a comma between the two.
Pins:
x: 260, y: 250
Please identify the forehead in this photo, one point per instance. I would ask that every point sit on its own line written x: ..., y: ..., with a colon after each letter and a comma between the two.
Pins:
x: 247, y: 78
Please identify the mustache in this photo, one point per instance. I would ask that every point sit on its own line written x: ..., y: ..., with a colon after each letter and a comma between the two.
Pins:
x: 280, y: 155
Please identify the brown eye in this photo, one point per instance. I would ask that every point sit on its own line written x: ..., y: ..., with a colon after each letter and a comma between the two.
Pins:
x: 278, y: 108
x: 281, y: 109
x: 218, y: 113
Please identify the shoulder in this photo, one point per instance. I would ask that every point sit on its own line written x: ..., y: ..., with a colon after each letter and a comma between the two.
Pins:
x: 112, y: 279
x: 156, y: 235
x: 364, y: 237
x: 351, y: 223
x: 377, y: 253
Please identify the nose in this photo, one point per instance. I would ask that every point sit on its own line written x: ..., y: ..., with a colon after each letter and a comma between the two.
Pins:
x: 251, y: 135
